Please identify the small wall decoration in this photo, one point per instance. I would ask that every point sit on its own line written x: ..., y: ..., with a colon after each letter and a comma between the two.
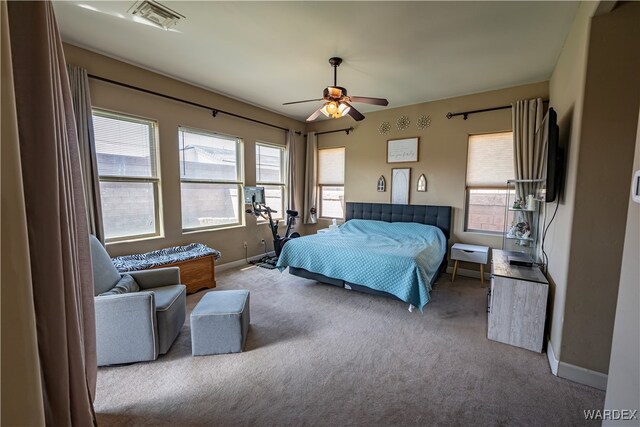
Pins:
x: 423, y: 122
x: 422, y: 183
x: 384, y: 128
x: 400, y: 179
x: 382, y: 184
x: 402, y: 150
x: 403, y: 122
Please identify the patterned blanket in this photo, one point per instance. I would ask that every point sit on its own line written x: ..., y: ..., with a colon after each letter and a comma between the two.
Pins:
x: 400, y: 258
x: 163, y: 257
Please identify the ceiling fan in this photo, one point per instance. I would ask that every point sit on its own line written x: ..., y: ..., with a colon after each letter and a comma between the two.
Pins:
x: 337, y: 102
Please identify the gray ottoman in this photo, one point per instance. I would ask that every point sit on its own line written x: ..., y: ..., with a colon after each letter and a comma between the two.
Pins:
x: 220, y: 322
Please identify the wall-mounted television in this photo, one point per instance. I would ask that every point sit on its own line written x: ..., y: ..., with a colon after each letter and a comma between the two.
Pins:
x: 253, y: 195
x: 555, y: 155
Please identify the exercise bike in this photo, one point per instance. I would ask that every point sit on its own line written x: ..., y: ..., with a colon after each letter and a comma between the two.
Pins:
x: 264, y: 211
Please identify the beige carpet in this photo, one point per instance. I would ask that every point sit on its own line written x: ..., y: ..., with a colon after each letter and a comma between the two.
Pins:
x: 320, y: 355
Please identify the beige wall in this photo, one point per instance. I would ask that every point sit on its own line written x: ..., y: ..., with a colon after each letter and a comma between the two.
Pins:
x: 169, y: 115
x: 623, y: 386
x: 566, y: 91
x: 442, y: 151
x: 608, y: 135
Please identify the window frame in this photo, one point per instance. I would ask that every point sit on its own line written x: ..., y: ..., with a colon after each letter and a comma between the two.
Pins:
x: 468, y: 188
x: 321, y: 186
x: 154, y: 157
x: 239, y: 182
x: 282, y: 184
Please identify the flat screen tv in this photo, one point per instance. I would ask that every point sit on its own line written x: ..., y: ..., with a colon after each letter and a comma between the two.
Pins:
x: 253, y: 195
x: 555, y: 157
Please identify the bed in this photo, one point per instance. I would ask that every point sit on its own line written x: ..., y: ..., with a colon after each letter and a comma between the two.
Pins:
x: 396, y: 251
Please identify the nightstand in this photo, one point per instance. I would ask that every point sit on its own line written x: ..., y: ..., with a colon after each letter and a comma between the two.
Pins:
x: 469, y: 253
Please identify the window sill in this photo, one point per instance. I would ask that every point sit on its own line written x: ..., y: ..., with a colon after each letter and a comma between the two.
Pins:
x: 209, y: 230
x: 134, y: 239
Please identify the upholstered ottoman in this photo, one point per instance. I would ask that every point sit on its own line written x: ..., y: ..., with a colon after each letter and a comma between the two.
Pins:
x: 220, y: 322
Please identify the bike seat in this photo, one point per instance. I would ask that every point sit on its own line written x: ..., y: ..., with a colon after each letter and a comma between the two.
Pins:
x: 292, y: 213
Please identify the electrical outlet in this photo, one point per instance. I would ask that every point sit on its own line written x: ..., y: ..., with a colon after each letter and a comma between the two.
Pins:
x: 244, y: 245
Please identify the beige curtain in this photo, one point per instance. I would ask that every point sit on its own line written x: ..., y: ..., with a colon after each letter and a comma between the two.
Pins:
x: 529, y: 147
x: 310, y: 185
x: 291, y: 169
x: 58, y: 236
x: 21, y: 385
x: 529, y: 152
x: 80, y: 95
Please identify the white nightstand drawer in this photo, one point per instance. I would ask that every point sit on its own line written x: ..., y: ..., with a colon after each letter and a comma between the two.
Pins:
x: 470, y: 253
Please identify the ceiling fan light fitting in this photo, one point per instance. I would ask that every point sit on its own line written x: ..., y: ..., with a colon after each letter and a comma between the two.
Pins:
x: 343, y: 109
x: 332, y: 107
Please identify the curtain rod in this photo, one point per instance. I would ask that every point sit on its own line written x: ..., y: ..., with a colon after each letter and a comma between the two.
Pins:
x: 214, y: 111
x: 345, y: 130
x: 465, y: 114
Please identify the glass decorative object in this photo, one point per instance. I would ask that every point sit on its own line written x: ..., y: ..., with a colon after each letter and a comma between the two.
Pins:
x: 384, y: 128
x: 403, y: 122
x: 423, y: 122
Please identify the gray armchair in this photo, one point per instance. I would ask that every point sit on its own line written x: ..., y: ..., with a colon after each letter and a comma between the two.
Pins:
x: 136, y: 320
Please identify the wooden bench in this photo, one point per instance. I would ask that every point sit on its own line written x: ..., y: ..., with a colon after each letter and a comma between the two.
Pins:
x: 195, y: 260
x: 196, y: 274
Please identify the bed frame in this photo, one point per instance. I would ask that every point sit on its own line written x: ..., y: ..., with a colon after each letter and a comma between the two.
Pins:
x: 439, y: 216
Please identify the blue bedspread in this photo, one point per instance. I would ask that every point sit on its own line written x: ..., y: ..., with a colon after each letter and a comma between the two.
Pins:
x: 400, y: 258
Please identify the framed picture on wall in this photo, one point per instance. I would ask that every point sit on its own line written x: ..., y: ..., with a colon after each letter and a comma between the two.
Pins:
x: 400, y: 184
x: 402, y: 150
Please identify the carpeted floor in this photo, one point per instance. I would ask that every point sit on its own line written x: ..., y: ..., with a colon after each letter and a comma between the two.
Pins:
x: 320, y: 355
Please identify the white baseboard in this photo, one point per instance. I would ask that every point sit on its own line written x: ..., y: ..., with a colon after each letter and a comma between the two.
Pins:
x: 469, y: 273
x: 583, y: 375
x: 239, y: 263
x: 575, y: 373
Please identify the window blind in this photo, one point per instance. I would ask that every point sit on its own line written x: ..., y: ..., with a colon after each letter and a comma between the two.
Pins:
x: 490, y: 160
x: 208, y: 156
x: 269, y: 161
x: 125, y: 145
x: 331, y: 166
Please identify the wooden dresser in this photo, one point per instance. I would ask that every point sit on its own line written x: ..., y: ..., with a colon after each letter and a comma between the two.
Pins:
x: 517, y: 303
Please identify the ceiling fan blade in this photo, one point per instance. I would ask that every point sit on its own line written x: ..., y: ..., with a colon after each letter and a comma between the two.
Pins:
x: 315, y: 114
x: 357, y: 115
x: 300, y: 102
x: 368, y: 100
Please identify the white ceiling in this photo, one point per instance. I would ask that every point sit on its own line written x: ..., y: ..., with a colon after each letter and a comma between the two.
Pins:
x: 267, y: 53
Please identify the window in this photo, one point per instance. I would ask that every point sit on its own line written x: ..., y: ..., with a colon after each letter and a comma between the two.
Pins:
x: 127, y: 155
x: 331, y: 182
x: 489, y: 166
x: 210, y: 179
x: 270, y: 175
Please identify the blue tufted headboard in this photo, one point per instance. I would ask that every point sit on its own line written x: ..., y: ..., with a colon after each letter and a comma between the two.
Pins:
x: 440, y: 216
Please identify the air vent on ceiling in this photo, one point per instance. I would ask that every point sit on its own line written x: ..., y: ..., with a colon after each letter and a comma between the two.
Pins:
x: 155, y: 13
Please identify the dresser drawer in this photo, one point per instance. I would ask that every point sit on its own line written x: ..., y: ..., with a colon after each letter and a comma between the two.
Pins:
x: 470, y: 253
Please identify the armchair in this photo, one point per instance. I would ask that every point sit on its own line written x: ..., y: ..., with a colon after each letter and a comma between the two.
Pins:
x: 139, y: 321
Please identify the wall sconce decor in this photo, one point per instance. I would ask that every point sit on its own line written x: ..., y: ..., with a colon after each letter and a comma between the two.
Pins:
x: 382, y: 184
x: 422, y: 183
